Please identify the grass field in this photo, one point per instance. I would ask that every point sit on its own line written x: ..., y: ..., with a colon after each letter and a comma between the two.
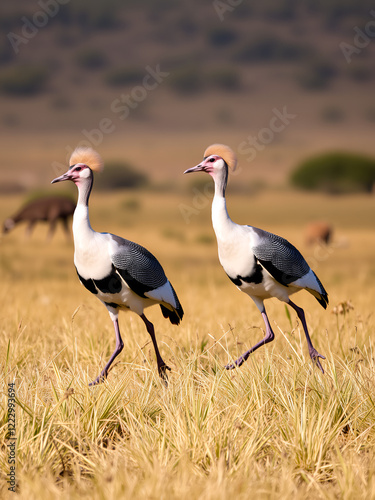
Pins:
x: 275, y: 428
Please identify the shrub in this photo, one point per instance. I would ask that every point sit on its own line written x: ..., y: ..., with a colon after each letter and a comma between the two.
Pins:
x: 220, y: 37
x: 269, y: 48
x: 336, y: 173
x: 317, y: 75
x: 187, y: 80
x: 90, y: 15
x: 119, y: 175
x: 23, y: 80
x: 91, y: 59
x: 225, y: 78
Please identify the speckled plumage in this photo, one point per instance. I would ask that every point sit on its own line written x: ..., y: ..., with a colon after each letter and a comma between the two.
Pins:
x: 261, y: 264
x: 120, y: 273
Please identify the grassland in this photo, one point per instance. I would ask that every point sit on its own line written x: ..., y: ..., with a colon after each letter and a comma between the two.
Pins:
x: 276, y: 428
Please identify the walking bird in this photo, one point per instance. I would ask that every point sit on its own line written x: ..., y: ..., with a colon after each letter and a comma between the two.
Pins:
x: 122, y: 274
x: 261, y: 264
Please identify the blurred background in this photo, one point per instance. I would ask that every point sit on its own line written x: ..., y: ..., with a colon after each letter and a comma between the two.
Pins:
x: 151, y: 84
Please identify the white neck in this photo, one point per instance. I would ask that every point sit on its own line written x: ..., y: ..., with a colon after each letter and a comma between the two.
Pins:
x: 221, y: 221
x: 82, y: 229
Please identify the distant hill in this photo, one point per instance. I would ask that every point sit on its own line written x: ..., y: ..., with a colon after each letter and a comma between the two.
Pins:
x: 99, y: 72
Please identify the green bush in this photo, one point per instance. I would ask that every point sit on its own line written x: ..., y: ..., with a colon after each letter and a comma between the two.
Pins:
x: 23, y: 80
x: 336, y: 173
x: 119, y: 175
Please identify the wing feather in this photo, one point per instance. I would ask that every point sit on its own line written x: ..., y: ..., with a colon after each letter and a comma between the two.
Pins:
x: 279, y: 257
x: 137, y: 266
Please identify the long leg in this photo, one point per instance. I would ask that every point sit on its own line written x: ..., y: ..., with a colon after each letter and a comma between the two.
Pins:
x: 30, y: 227
x: 267, y: 338
x: 116, y: 352
x: 162, y: 367
x: 52, y: 227
x: 314, y: 355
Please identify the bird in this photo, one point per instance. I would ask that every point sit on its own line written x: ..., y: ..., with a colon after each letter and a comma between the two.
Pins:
x: 259, y: 263
x: 122, y: 274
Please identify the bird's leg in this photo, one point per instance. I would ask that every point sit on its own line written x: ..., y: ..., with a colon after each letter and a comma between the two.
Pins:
x: 116, y: 352
x: 162, y: 367
x: 267, y: 338
x: 314, y: 355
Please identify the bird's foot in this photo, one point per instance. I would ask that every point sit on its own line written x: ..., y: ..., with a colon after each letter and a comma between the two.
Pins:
x: 99, y: 379
x: 162, y: 369
x: 237, y: 363
x: 314, y: 355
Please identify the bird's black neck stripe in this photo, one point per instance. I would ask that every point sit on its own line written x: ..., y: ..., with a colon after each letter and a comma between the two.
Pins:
x: 223, y: 181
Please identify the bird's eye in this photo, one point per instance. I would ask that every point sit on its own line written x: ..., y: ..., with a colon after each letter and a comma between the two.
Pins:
x: 211, y: 160
x: 77, y: 169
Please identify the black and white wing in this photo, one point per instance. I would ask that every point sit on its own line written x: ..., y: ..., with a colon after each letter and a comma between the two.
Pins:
x: 286, y: 264
x: 145, y: 276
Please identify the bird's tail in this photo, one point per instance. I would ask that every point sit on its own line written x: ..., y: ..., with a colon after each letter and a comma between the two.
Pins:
x: 174, y: 314
x: 322, y: 295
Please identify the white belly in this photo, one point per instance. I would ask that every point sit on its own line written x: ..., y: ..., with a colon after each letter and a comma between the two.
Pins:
x: 92, y: 260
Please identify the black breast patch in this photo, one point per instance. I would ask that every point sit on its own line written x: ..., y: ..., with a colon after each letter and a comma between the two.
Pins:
x: 110, y: 284
x: 256, y: 276
x: 89, y: 284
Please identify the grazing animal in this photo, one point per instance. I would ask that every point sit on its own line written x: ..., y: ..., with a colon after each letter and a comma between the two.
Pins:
x: 318, y: 232
x: 49, y: 209
x: 122, y: 274
x: 261, y: 264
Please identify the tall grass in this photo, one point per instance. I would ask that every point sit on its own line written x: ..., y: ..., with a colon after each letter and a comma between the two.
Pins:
x: 275, y: 428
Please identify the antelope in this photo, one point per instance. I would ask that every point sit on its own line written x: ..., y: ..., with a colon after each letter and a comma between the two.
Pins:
x: 318, y: 232
x: 49, y: 209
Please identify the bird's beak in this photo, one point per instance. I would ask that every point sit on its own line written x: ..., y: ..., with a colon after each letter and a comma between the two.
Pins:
x: 64, y: 177
x: 197, y: 168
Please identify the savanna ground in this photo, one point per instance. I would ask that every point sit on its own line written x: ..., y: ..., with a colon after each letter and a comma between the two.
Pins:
x: 275, y: 428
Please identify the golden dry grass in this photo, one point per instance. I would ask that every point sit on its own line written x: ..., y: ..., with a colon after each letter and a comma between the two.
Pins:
x: 275, y: 428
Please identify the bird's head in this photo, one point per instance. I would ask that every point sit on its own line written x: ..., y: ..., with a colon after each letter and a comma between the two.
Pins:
x: 217, y: 158
x: 83, y: 162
